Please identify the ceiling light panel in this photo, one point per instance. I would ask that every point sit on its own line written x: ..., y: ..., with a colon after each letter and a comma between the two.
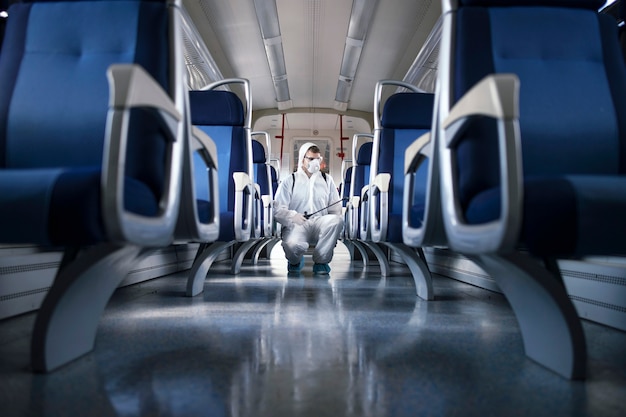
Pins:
x: 360, y: 18
x: 267, y: 16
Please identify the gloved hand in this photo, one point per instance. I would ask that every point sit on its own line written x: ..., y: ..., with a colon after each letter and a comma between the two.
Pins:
x: 298, y: 219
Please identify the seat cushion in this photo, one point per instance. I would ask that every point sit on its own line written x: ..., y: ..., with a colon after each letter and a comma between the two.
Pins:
x: 565, y: 216
x: 65, y: 206
x: 227, y: 226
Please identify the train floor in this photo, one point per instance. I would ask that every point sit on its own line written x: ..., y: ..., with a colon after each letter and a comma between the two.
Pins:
x: 263, y: 343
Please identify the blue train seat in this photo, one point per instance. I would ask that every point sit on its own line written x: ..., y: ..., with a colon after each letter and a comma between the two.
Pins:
x: 406, y: 116
x: 359, y: 177
x: 263, y: 177
x: 275, y: 180
x: 266, y: 178
x: 87, y: 165
x: 351, y: 203
x: 345, y: 185
x: 422, y: 223
x: 532, y: 155
x: 346, y: 180
x: 359, y: 190
x: 355, y: 215
x: 221, y: 116
x: 275, y: 183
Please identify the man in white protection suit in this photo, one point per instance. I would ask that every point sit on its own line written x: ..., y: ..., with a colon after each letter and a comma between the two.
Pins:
x: 308, y: 190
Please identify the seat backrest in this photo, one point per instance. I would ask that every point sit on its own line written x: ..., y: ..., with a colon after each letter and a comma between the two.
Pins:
x: 262, y: 175
x: 554, y: 62
x: 346, y: 184
x: 275, y: 181
x: 69, y: 77
x: 346, y: 178
x: 405, y: 117
x: 263, y: 178
x: 360, y: 179
x: 361, y: 169
x: 220, y: 114
x: 532, y: 154
x: 53, y: 114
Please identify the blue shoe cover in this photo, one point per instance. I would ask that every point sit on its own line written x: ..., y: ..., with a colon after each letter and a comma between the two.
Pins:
x: 295, y: 268
x: 321, y: 269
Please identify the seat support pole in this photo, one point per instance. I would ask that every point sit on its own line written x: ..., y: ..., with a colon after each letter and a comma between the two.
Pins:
x: 418, y: 267
x: 66, y: 323
x: 551, y: 329
x: 201, y: 266
x: 380, y: 256
x: 235, y: 266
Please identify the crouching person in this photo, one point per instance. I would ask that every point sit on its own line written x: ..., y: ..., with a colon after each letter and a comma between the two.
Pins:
x: 308, y: 190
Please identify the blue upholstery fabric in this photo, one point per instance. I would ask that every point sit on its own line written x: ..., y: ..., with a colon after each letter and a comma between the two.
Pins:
x: 418, y: 206
x: 29, y: 201
x: 275, y: 181
x: 362, y: 172
x: 362, y: 169
x: 573, y: 132
x: 201, y: 183
x: 9, y: 67
x: 406, y: 111
x: 406, y: 117
x: 223, y: 108
x: 258, y: 153
x: 584, y: 4
x: 347, y: 182
x: 220, y: 115
x: 260, y: 173
x: 92, y: 1
x: 260, y: 167
x: 56, y: 117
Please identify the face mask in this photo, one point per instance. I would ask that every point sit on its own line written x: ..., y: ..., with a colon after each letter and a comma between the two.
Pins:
x: 314, y: 166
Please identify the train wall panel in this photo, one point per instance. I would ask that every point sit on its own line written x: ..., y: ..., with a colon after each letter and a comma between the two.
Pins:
x: 596, y: 287
x: 597, y: 290
x: 456, y: 266
x: 26, y: 275
x: 156, y: 263
x: 27, y: 272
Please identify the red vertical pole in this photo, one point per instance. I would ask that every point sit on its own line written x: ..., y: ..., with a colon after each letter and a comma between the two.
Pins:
x: 341, y: 154
x: 282, y: 141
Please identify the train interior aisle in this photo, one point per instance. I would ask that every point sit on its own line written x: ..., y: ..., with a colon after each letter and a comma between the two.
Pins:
x: 263, y: 343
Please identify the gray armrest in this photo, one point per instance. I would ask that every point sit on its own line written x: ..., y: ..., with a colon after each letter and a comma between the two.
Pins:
x: 379, y: 198
x: 256, y: 214
x: 268, y: 215
x: 245, y: 191
x: 351, y: 217
x: 496, y: 96
x: 429, y: 232
x: 130, y: 86
x: 364, y: 227
x: 189, y: 227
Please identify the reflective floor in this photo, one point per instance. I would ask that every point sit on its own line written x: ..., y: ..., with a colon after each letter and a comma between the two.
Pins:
x: 264, y: 344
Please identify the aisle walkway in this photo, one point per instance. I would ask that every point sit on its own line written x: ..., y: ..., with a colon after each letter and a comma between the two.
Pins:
x: 352, y: 344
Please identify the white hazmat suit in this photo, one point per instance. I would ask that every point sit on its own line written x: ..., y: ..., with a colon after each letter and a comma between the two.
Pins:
x: 308, y: 195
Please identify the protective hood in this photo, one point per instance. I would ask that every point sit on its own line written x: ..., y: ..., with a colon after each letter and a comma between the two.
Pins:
x: 302, y: 152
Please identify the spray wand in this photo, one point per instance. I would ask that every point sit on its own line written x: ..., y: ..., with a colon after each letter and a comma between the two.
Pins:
x: 307, y: 216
